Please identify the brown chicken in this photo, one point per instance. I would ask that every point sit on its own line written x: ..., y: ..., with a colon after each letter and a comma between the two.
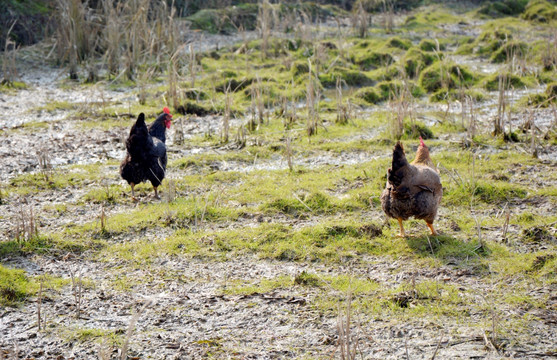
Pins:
x: 413, y: 189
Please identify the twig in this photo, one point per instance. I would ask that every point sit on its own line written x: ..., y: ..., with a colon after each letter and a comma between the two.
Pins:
x: 300, y: 200
x: 437, y: 348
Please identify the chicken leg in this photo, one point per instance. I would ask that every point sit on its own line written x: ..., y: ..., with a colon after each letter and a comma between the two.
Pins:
x: 133, y: 192
x: 156, y: 192
x: 402, y: 234
x: 430, y: 226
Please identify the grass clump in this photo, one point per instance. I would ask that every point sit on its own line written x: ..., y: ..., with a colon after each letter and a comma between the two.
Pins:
x: 15, y: 286
x: 492, y: 192
x: 315, y: 202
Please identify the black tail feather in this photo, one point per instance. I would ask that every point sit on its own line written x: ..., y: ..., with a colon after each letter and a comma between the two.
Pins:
x: 138, y: 139
x: 399, y: 162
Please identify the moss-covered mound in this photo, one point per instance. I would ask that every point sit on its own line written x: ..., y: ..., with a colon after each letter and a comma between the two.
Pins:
x: 551, y: 91
x: 449, y: 76
x: 225, y: 20
x: 14, y: 286
x: 444, y: 95
x: 386, y: 90
x: 431, y: 45
x: 509, y: 50
x: 503, y: 8
x: 371, y: 60
x: 492, y: 82
x: 415, y: 60
x: 540, y: 11
x: 347, y: 76
x: 491, y: 41
x: 396, y: 42
x: 369, y: 95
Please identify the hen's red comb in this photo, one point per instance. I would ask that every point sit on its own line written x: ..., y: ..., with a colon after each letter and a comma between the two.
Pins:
x: 166, y: 111
x: 421, y: 141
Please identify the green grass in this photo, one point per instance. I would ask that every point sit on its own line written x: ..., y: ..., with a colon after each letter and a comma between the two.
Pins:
x: 16, y: 286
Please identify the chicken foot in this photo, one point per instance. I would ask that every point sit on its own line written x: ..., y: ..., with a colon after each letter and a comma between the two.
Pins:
x: 156, y: 192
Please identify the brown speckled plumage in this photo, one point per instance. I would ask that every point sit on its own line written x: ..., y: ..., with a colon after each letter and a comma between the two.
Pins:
x: 413, y: 189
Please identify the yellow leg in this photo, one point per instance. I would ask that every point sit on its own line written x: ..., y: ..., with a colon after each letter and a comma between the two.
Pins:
x: 402, y: 234
x: 430, y: 226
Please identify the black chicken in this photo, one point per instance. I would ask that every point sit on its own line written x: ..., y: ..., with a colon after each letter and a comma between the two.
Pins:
x: 146, y: 152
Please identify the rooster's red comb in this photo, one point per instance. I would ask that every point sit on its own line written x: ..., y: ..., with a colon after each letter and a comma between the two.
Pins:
x: 166, y: 111
x: 421, y: 141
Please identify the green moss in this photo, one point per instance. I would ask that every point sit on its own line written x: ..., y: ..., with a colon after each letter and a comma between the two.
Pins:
x: 444, y: 95
x: 503, y: 8
x: 26, y: 7
x: 551, y: 90
x: 543, y: 100
x: 14, y: 286
x: 107, y: 194
x: 494, y: 192
x: 296, y: 205
x: 12, y: 86
x: 446, y: 75
x: 431, y: 45
x: 392, y: 89
x: 58, y: 105
x: 88, y: 335
x: 373, y: 60
x: 307, y: 279
x: 386, y: 73
x: 540, y: 11
x: 225, y: 20
x: 348, y: 77
x: 386, y: 90
x: 509, y: 50
x: 369, y: 95
x: 430, y: 18
x: 415, y: 60
x: 261, y: 286
x: 234, y: 85
x: 492, y: 83
x: 396, y: 42
x: 299, y: 68
x: 415, y: 130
